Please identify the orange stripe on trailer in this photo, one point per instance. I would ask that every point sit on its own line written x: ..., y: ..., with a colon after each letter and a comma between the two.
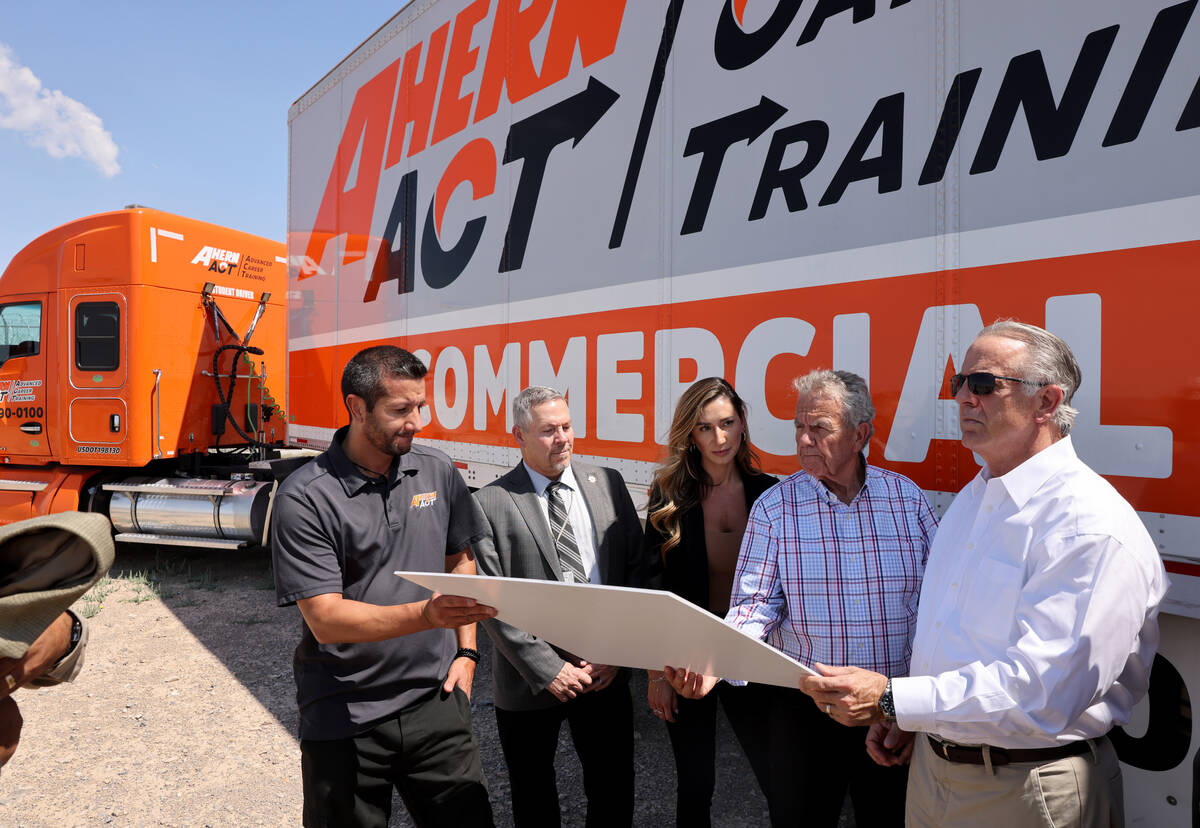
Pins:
x: 1181, y: 568
x: 622, y: 360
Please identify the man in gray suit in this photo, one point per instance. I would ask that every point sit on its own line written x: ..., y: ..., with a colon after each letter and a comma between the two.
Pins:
x: 555, y: 520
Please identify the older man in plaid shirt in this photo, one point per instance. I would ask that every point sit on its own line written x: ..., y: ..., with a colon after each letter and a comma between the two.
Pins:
x: 830, y: 572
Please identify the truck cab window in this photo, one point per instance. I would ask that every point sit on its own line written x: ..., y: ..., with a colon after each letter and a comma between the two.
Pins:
x: 20, y: 330
x: 97, y: 336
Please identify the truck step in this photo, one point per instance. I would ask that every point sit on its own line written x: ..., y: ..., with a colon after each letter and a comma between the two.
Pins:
x: 179, y: 540
x: 22, y: 485
x: 178, y: 488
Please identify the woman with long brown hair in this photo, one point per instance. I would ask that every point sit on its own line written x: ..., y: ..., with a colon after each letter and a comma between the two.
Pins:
x: 699, y: 504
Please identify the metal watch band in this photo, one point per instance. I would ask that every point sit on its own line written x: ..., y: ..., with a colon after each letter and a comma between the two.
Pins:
x: 886, y: 704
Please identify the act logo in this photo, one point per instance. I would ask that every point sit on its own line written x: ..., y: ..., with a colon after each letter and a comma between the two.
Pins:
x: 423, y: 500
x: 217, y: 259
x: 18, y: 390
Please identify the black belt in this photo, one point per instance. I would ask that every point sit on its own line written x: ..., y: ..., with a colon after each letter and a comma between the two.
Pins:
x: 1005, y: 756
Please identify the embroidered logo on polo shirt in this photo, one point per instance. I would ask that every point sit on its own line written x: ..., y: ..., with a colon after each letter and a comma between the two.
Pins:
x: 420, y: 501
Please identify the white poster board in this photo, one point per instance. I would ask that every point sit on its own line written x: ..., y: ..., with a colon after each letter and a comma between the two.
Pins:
x: 643, y: 628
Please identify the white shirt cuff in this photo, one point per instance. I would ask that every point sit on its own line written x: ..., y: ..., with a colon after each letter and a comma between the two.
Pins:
x: 914, y: 698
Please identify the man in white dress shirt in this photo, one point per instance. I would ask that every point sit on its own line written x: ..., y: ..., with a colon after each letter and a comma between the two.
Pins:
x: 1037, y: 623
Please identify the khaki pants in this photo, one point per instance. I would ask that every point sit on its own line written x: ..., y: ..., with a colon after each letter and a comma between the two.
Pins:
x: 1080, y: 791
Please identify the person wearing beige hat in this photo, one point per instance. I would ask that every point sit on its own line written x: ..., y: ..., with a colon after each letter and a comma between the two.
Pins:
x: 46, y: 564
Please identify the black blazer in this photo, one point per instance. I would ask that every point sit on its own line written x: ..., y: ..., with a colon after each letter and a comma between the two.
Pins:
x: 686, y: 572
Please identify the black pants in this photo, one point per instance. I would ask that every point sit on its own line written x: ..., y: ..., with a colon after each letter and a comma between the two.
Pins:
x: 814, y: 761
x: 694, y: 743
x: 601, y: 726
x: 427, y: 751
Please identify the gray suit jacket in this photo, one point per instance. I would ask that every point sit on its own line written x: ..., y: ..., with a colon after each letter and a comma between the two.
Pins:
x: 520, y: 546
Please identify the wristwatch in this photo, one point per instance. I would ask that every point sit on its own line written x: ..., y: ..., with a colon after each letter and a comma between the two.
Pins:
x: 76, y: 632
x: 886, y: 704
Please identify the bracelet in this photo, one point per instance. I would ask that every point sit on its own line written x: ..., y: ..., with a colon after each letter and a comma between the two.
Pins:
x: 660, y: 678
x: 468, y: 652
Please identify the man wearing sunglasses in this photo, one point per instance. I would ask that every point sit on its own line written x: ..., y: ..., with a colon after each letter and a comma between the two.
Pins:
x: 1037, y: 623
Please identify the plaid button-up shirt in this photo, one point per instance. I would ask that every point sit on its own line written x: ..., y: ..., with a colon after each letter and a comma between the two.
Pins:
x: 837, y: 583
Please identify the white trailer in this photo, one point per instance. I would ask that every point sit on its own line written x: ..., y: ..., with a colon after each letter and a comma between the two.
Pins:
x: 619, y: 197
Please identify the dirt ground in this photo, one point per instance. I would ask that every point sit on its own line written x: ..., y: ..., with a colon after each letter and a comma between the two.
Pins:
x: 185, y: 714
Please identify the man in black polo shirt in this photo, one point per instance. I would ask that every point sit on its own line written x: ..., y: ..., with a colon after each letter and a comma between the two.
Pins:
x: 382, y: 682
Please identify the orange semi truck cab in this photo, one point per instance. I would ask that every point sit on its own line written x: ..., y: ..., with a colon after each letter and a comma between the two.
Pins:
x: 109, y: 326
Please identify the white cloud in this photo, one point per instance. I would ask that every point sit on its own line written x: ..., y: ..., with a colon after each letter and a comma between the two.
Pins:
x: 49, y: 119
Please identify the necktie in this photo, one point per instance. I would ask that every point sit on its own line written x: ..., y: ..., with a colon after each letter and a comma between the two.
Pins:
x: 564, y: 538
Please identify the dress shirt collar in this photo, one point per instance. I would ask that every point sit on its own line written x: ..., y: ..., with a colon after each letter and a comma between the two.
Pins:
x: 824, y: 492
x: 1023, y: 482
x: 540, y: 481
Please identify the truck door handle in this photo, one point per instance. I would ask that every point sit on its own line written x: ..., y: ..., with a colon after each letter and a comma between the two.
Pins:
x: 114, y: 423
x: 31, y: 428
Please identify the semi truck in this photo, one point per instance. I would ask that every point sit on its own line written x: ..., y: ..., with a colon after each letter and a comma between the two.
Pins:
x: 138, y: 352
x: 617, y: 198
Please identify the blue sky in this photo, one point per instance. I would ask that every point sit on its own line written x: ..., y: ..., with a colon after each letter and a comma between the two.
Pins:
x: 177, y: 106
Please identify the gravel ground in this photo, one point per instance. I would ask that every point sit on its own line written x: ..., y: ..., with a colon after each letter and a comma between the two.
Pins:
x: 185, y: 714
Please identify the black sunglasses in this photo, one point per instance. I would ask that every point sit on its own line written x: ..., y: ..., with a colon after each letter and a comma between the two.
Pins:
x: 981, y: 383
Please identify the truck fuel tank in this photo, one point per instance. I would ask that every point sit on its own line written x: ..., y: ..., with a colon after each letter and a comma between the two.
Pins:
x: 187, y: 511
